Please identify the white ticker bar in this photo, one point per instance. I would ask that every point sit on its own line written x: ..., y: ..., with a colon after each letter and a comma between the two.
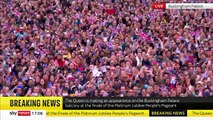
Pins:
x: 189, y: 5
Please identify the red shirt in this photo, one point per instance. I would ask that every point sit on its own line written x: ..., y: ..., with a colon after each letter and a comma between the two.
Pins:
x: 60, y: 63
x: 110, y: 11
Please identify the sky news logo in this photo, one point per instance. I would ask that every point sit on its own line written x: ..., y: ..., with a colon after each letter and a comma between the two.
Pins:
x: 21, y: 113
x: 24, y: 113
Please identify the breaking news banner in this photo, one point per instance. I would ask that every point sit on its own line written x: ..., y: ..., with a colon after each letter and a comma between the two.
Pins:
x: 182, y: 5
x: 44, y: 108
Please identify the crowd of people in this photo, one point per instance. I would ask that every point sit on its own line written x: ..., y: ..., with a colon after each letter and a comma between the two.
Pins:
x: 104, y: 48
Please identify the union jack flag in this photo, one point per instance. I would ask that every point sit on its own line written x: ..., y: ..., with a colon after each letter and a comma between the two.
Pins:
x: 115, y: 30
x: 193, y: 33
x: 16, y: 13
x: 6, y: 26
x: 196, y: 33
x: 142, y: 35
x: 152, y: 16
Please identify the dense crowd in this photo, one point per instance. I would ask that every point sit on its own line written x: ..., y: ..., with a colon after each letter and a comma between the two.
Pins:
x: 104, y: 48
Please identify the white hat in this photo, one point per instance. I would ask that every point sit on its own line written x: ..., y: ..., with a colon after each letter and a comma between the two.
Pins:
x: 200, y: 82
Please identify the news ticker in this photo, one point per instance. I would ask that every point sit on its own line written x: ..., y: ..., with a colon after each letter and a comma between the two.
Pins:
x: 182, y: 6
x: 99, y: 107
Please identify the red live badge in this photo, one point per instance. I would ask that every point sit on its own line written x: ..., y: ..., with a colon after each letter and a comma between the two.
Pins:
x: 159, y: 6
